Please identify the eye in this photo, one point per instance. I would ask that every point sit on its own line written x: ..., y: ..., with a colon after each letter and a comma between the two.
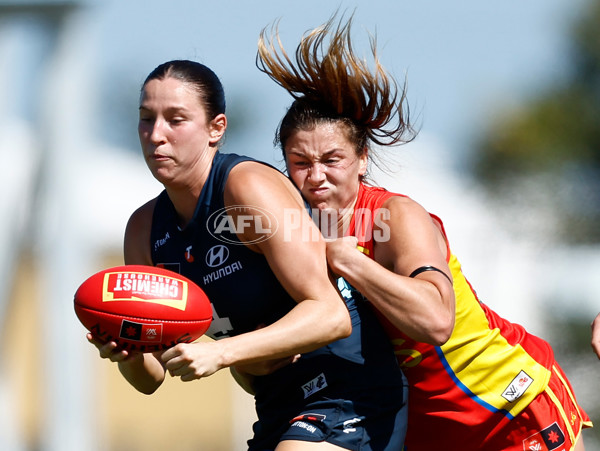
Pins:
x: 147, y: 122
x: 146, y: 116
x: 176, y: 120
x: 302, y: 165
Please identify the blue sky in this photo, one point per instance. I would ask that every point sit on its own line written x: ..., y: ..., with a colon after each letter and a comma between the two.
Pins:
x: 463, y: 60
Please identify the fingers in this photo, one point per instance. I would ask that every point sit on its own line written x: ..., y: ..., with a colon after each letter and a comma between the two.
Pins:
x: 191, y: 361
x: 182, y: 369
x: 177, y: 363
x: 93, y: 340
x: 171, y: 353
x: 108, y: 350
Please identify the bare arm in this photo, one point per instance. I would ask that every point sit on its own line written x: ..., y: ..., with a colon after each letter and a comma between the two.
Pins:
x: 296, y: 254
x: 596, y: 335
x: 145, y: 371
x: 422, y: 307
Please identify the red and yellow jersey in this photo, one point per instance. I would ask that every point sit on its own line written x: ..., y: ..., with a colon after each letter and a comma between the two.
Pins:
x: 487, y: 372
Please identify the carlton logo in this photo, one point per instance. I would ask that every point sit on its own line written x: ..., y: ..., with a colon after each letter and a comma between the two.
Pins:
x: 226, y: 223
x: 140, y: 286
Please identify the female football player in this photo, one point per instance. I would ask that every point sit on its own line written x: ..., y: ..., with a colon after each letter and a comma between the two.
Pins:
x: 476, y: 380
x: 239, y: 229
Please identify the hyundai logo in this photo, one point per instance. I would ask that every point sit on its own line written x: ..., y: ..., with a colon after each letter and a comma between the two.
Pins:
x: 217, y: 255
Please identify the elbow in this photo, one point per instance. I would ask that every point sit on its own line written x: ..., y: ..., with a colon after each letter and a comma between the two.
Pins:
x: 340, y: 325
x: 343, y: 329
x: 442, y: 322
x: 146, y: 387
x: 442, y: 331
x: 148, y: 390
x: 346, y: 330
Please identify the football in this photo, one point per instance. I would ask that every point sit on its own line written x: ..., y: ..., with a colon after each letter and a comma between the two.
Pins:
x: 142, y: 308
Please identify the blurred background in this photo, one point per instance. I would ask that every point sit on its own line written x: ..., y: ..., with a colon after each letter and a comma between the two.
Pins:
x: 506, y: 95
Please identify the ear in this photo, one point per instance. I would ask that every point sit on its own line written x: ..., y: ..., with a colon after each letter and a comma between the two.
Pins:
x: 363, y: 162
x: 217, y: 128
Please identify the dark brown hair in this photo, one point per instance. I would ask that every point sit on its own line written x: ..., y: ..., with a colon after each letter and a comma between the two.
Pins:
x: 204, y: 81
x: 329, y: 83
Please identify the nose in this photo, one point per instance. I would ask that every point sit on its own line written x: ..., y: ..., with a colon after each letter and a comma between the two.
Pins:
x: 157, y: 135
x: 316, y: 173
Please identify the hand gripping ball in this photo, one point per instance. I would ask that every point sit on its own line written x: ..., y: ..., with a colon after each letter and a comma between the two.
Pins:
x: 143, y: 308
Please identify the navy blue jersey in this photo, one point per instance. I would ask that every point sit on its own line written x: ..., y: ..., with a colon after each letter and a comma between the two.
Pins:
x: 245, y: 295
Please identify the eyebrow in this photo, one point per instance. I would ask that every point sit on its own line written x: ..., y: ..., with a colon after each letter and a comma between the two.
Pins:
x: 169, y: 110
x: 324, y: 155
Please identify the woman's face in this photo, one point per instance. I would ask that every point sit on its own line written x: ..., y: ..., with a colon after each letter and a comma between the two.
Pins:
x: 173, y: 129
x: 324, y: 165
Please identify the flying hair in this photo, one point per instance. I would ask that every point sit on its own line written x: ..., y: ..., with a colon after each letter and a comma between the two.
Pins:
x: 326, y: 77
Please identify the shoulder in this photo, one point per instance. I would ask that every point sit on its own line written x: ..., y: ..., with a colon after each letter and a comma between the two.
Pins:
x: 143, y: 214
x: 254, y: 170
x: 137, y: 235
x: 404, y: 211
x: 256, y: 181
x: 405, y: 221
x: 406, y: 227
x: 267, y: 197
x: 404, y: 208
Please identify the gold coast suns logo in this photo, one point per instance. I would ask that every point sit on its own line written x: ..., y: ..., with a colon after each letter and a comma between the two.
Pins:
x: 144, y: 287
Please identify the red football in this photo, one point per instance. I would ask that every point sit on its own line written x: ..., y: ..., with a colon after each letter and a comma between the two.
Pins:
x: 143, y: 308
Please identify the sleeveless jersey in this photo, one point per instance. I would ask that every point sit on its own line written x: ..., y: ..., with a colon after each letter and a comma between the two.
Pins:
x: 245, y: 294
x: 489, y: 370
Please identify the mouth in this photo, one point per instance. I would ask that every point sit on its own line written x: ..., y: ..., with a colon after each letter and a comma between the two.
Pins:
x: 158, y: 157
x: 318, y: 192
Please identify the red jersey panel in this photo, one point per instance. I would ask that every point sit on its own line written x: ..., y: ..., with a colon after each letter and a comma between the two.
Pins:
x: 484, y: 375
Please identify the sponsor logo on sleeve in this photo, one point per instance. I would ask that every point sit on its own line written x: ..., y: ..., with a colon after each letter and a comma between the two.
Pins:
x: 517, y: 387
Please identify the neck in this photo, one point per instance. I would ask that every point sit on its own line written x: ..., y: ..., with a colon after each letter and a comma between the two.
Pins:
x: 334, y: 223
x: 185, y: 206
x: 185, y: 196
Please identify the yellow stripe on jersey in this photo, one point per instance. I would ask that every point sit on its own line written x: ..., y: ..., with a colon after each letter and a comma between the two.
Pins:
x: 482, y: 362
x: 364, y: 250
x: 562, y: 412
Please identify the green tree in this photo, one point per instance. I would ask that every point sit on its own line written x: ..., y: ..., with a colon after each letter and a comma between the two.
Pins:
x: 548, y: 153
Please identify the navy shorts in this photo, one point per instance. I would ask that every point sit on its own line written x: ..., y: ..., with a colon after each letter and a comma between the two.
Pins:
x: 349, y: 424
